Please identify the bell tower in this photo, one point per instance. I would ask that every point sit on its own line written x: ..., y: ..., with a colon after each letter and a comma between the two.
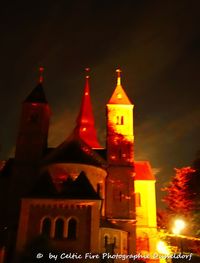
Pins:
x: 120, y: 197
x: 120, y: 140
x: 34, y: 125
x: 120, y: 136
x: 31, y: 146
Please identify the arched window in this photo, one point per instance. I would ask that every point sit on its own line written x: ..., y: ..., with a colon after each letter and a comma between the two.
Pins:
x: 117, y: 121
x: 72, y: 229
x: 99, y: 189
x: 115, y: 242
x: 59, y: 228
x: 46, y: 227
x: 122, y: 120
x: 105, y: 241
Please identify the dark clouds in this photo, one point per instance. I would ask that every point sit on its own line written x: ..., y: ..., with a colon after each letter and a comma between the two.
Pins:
x: 156, y: 43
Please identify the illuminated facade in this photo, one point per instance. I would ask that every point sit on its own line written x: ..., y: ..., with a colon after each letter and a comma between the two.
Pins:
x: 79, y: 196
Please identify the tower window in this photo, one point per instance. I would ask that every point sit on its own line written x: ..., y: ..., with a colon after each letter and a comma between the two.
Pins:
x: 117, y: 122
x: 46, y: 227
x: 120, y: 120
x: 137, y: 200
x: 72, y: 229
x: 59, y: 228
x: 33, y: 117
x: 119, y: 95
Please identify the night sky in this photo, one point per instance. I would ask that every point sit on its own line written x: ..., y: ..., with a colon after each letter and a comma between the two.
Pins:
x: 156, y: 44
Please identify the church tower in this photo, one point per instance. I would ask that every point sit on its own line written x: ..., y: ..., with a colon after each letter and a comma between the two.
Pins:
x: 31, y: 146
x: 34, y: 125
x: 120, y: 141
x: 85, y: 127
x: 120, y: 135
x: 119, y: 183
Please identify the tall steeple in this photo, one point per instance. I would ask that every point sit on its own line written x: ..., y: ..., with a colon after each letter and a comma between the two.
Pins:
x: 85, y: 127
x: 34, y: 125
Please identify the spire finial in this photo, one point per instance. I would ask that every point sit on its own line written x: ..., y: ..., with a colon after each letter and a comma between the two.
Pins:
x: 118, y: 76
x: 41, y: 77
x: 87, y: 70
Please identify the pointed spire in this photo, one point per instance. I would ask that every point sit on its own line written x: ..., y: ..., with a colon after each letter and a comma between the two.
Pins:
x: 37, y: 95
x: 85, y: 127
x: 119, y: 95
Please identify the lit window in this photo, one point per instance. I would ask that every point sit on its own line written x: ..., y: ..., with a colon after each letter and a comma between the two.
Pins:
x: 59, y: 228
x: 72, y: 229
x: 46, y: 227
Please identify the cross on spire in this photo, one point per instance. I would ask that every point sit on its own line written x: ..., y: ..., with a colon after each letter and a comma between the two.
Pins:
x: 118, y: 76
x: 41, y: 77
x: 87, y: 70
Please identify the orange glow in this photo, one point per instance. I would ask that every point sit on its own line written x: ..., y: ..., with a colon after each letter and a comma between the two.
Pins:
x: 179, y: 225
x: 119, y: 95
x: 162, y: 248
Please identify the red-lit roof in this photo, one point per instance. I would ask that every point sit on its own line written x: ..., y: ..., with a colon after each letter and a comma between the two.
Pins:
x: 143, y: 171
x: 85, y: 128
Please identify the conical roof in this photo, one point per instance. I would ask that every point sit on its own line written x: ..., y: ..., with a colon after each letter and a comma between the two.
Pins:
x: 85, y: 127
x: 37, y: 95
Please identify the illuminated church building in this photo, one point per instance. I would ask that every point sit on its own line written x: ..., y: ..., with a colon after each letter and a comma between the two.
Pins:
x: 80, y: 196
